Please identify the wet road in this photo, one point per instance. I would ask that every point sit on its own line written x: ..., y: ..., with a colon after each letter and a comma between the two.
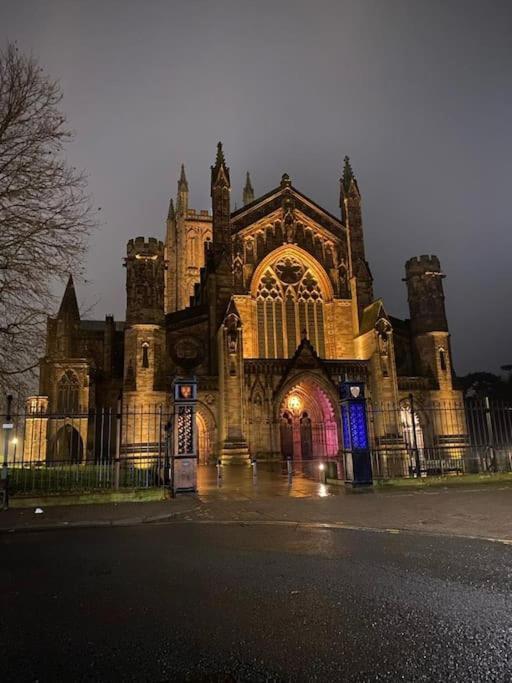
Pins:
x: 242, y: 601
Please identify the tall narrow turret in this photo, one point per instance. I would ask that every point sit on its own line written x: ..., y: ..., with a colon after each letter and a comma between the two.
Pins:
x: 361, y: 280
x: 220, y: 193
x: 144, y: 281
x: 182, y: 200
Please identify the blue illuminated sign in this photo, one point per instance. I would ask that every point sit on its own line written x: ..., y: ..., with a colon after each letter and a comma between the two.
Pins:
x: 353, y: 414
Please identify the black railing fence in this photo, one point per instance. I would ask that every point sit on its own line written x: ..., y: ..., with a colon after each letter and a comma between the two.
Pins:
x: 106, y: 448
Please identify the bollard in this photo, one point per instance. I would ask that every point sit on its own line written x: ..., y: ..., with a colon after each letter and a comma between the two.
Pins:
x: 254, y: 466
x: 321, y: 468
x: 4, y: 479
x: 289, y: 468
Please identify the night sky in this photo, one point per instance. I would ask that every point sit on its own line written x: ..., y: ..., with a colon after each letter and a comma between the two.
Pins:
x: 417, y: 93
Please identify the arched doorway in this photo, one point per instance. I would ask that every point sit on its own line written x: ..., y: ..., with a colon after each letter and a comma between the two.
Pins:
x: 205, y: 434
x: 308, y: 422
x: 67, y: 446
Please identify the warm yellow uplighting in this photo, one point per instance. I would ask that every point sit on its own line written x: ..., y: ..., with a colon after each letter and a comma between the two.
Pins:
x: 294, y: 403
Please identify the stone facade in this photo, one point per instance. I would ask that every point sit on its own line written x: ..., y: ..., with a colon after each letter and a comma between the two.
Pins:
x: 271, y: 306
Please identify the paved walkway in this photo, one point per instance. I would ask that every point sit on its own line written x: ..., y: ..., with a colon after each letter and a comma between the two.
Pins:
x: 240, y: 497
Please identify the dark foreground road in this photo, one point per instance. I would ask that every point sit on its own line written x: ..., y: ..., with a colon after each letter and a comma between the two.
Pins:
x: 229, y: 602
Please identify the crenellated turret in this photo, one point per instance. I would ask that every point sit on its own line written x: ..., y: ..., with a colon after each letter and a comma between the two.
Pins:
x: 424, y: 281
x: 429, y: 327
x: 145, y: 281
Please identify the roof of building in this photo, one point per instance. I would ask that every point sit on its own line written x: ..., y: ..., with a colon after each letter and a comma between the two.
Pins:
x: 99, y: 325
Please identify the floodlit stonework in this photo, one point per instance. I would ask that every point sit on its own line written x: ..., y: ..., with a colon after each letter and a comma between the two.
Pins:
x: 271, y: 306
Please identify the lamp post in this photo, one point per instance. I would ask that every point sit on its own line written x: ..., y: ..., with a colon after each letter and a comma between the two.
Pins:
x: 14, y: 442
x: 4, y: 480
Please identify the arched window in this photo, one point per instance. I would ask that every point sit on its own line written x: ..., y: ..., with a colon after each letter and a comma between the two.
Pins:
x: 145, y: 355
x: 442, y: 359
x: 68, y: 391
x: 289, y: 301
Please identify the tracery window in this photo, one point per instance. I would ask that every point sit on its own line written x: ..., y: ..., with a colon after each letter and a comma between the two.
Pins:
x: 68, y: 390
x: 289, y: 301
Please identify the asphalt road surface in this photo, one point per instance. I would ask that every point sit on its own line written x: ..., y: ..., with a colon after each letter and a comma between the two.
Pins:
x: 256, y: 602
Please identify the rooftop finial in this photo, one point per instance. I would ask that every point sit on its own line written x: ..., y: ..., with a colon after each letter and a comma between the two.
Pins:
x: 220, y: 154
x: 285, y: 180
x: 220, y: 172
x: 248, y: 190
x: 348, y: 173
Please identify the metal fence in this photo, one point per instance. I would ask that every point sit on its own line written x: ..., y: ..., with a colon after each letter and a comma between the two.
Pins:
x: 109, y: 449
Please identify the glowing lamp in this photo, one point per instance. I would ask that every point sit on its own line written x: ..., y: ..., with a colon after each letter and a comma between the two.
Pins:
x: 294, y: 403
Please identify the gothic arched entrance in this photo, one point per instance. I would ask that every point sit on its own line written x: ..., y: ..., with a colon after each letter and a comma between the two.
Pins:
x: 308, y: 422
x: 205, y: 434
x: 67, y: 446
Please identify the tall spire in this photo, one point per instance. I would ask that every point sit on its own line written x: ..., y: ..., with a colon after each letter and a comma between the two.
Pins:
x: 220, y: 172
x: 171, y: 214
x: 69, y: 305
x: 182, y: 182
x: 348, y: 174
x: 182, y: 200
x: 248, y: 190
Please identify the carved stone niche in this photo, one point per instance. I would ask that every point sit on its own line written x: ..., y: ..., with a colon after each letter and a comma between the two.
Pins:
x: 188, y: 352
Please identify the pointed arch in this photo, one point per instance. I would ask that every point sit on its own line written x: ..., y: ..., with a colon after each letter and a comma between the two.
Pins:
x: 68, y: 393
x: 300, y: 255
x: 291, y: 289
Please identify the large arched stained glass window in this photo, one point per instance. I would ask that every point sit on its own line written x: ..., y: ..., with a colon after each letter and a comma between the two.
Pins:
x: 68, y: 390
x: 289, y: 301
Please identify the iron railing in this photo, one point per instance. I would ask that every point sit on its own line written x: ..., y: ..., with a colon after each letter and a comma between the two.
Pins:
x: 109, y: 448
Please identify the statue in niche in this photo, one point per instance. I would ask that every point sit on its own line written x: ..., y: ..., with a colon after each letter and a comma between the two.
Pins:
x: 289, y: 227
x: 238, y: 271
x: 383, y: 329
x: 232, y: 325
x: 341, y: 271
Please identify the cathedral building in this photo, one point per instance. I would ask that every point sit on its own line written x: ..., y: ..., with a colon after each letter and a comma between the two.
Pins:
x: 271, y: 307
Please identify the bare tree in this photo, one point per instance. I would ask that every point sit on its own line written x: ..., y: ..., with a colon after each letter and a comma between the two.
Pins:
x: 45, y: 214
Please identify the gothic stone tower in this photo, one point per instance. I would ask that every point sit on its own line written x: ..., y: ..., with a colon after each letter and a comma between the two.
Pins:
x: 144, y: 393
x: 431, y: 348
x: 429, y: 326
x: 187, y: 232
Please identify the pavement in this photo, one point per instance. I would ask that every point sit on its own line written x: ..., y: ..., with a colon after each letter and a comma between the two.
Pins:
x: 266, y: 601
x: 474, y: 512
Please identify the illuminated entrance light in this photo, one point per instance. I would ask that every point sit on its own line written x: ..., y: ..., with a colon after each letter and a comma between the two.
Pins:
x: 294, y: 403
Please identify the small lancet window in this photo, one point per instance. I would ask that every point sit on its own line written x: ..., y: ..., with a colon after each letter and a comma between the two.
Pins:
x: 145, y: 355
x: 442, y: 359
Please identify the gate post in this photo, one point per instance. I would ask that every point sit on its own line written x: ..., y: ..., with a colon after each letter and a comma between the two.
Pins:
x: 358, y: 465
x: 185, y: 448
